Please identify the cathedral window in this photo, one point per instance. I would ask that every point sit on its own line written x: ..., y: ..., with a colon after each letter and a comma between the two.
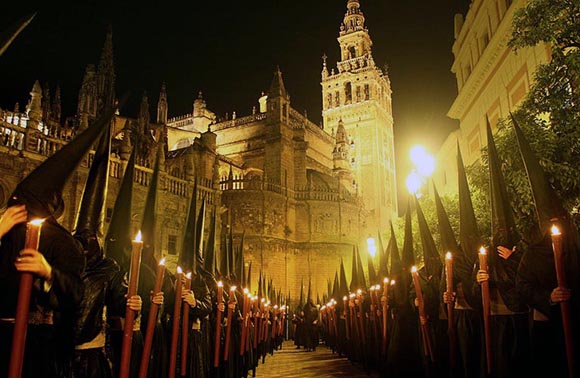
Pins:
x: 351, y: 52
x: 347, y: 92
x: 367, y: 92
x: 358, y: 96
x: 172, y: 245
x: 329, y: 100
x: 337, y: 99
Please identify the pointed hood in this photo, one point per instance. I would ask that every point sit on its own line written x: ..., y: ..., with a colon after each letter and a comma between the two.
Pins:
x: 360, y: 272
x: 41, y: 190
x: 148, y: 224
x: 396, y: 264
x: 547, y: 202
x: 343, y: 282
x: 309, y: 297
x: 335, y: 287
x: 433, y: 264
x: 118, y: 240
x: 373, y: 278
x: 187, y: 259
x: 209, y: 257
x: 448, y: 240
x: 249, y: 278
x: 354, y: 282
x: 468, y: 230
x: 224, y: 258
x: 383, y: 270
x: 503, y: 225
x: 241, y: 269
x: 301, y: 302
x: 260, y: 294
x: 89, y: 220
x: 408, y: 253
x: 7, y: 37
x: 199, y: 232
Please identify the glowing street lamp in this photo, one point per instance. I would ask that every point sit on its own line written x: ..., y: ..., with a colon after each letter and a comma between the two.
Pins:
x: 424, y: 162
x: 413, y: 182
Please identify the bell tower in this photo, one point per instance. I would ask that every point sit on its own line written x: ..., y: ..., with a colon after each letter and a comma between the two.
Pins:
x: 359, y: 94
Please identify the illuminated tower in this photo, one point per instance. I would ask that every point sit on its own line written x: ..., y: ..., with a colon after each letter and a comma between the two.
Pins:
x: 359, y: 94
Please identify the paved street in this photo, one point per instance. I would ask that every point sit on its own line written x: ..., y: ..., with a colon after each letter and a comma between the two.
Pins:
x: 290, y: 362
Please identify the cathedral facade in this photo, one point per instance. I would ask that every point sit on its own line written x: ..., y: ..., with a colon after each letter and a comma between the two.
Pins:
x: 302, y: 195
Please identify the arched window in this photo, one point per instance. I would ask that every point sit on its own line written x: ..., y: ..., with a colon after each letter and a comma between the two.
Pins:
x: 347, y: 92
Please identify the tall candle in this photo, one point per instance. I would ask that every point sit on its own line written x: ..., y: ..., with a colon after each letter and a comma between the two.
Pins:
x: 137, y: 248
x: 23, y: 304
x: 422, y: 314
x: 218, y: 326
x: 345, y: 314
x: 450, y: 322
x: 384, y: 316
x: 148, y: 343
x: 486, y: 307
x: 175, y: 323
x: 231, y: 300
x: 564, y: 305
x: 244, y: 322
x: 185, y: 329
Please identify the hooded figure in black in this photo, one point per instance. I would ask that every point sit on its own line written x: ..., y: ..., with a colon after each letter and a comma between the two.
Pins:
x: 509, y: 317
x: 104, y: 282
x: 536, y: 280
x: 57, y: 267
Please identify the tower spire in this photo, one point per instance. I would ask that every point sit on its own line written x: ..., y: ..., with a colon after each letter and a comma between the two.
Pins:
x: 354, y: 20
x: 277, y: 88
x: 106, y: 73
x: 162, y: 105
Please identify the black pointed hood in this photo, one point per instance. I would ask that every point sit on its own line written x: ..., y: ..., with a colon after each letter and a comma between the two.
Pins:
x: 41, y: 190
x: 431, y: 258
x: 199, y: 233
x: 118, y: 240
x: 309, y: 296
x: 301, y: 302
x: 354, y: 282
x: 8, y: 36
x: 547, y: 202
x: 373, y: 278
x: 335, y: 287
x: 260, y: 294
x: 408, y: 250
x: 89, y: 218
x: 448, y: 240
x: 241, y: 259
x: 224, y: 258
x: 396, y: 264
x: 360, y: 272
x: 209, y: 258
x: 383, y: 270
x: 148, y: 224
x: 187, y: 259
x: 503, y: 225
x: 468, y: 231
x: 343, y: 281
x: 249, y: 278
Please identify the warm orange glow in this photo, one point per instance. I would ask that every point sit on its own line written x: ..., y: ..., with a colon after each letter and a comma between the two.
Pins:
x: 188, y: 275
x: 482, y: 251
x: 414, y: 269
x: 448, y: 256
x: 220, y: 284
x: 139, y: 237
x: 351, y: 295
x: 392, y: 282
x: 246, y: 291
x: 162, y: 261
x: 233, y: 288
x: 179, y: 270
x: 555, y: 230
x: 385, y: 280
x: 344, y: 298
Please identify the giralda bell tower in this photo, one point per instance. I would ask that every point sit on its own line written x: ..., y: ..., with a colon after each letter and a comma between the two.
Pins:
x: 359, y: 94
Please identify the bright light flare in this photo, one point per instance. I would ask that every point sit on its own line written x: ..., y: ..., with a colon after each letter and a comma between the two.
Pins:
x: 413, y: 182
x: 371, y: 247
x: 414, y: 269
x: 36, y: 222
x: 424, y: 162
x: 556, y: 230
x: 179, y: 270
x: 482, y: 251
x: 139, y: 237
x: 162, y: 261
x: 448, y: 256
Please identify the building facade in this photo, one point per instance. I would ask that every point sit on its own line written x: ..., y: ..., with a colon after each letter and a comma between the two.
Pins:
x: 492, y: 80
x: 285, y: 183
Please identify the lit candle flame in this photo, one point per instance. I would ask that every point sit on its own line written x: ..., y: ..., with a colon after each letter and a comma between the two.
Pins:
x: 385, y: 280
x: 139, y: 236
x: 276, y: 307
x: 392, y: 282
x: 246, y: 291
x: 323, y: 308
x: 179, y: 270
x: 448, y: 256
x: 188, y: 275
x: 263, y: 300
x: 414, y: 269
x: 359, y: 291
x: 233, y: 288
x: 555, y: 230
x: 351, y: 295
x: 482, y: 251
x: 344, y: 298
x: 220, y: 284
x: 162, y: 261
x: 36, y: 222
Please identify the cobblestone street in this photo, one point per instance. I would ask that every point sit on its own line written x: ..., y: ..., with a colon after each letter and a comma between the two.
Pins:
x: 291, y: 362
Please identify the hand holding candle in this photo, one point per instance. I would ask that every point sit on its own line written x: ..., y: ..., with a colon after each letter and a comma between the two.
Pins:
x: 422, y: 314
x: 231, y: 300
x: 175, y: 323
x: 486, y: 304
x: 218, y: 326
x: 185, y: 325
x: 450, y: 307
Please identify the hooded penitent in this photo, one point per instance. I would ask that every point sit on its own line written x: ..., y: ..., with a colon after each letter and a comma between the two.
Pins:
x: 383, y: 270
x: 187, y: 258
x: 360, y: 272
x: 118, y: 240
x: 408, y: 253
x: 89, y: 221
x: 393, y: 248
x: 468, y: 230
x: 431, y: 257
x: 354, y: 281
x: 209, y: 259
x: 41, y: 190
x: 199, y: 233
x: 7, y: 37
x: 335, y: 288
x: 343, y: 282
x: 148, y: 228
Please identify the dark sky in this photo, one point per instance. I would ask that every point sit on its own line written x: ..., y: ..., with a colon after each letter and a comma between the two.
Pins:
x: 229, y: 50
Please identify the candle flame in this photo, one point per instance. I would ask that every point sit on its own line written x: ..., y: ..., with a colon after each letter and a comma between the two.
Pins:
x: 139, y: 237
x: 344, y: 298
x: 448, y: 256
x: 482, y: 251
x: 372, y: 288
x: 359, y: 291
x: 220, y: 284
x: 263, y: 300
x: 246, y: 291
x: 179, y: 270
x: 36, y: 222
x: 414, y: 269
x: 385, y: 280
x: 323, y: 308
x: 351, y: 295
x: 162, y: 261
x: 276, y: 307
x: 555, y: 230
x: 188, y: 275
x: 233, y: 288
x: 392, y: 282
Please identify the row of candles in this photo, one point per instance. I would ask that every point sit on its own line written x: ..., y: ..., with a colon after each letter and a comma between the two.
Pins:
x: 33, y: 233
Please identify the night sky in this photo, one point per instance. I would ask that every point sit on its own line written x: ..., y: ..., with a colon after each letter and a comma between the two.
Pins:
x: 229, y: 50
